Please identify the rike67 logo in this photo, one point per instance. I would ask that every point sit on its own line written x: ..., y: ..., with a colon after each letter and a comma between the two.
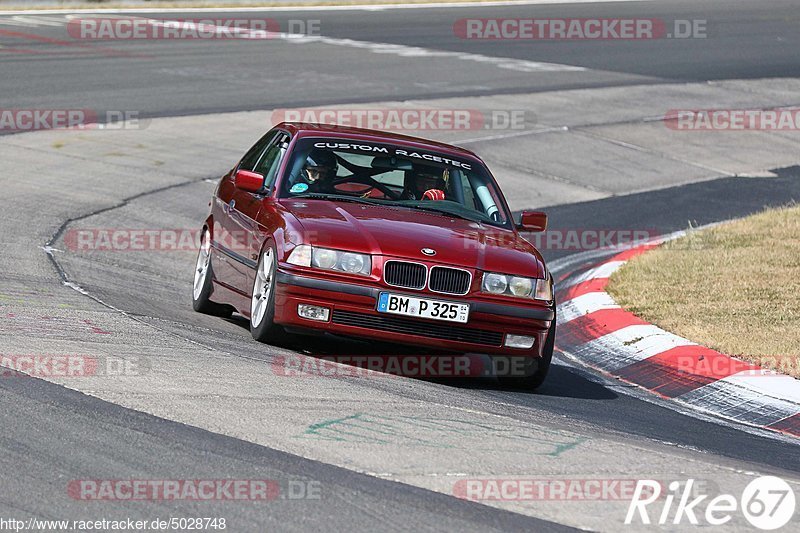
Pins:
x: 767, y: 503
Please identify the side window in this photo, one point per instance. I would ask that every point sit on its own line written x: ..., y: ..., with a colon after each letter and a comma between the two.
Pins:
x: 253, y: 155
x: 271, y: 158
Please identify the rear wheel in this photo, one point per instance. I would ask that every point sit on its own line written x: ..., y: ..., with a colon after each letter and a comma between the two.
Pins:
x: 535, y: 379
x: 262, y: 302
x: 201, y: 290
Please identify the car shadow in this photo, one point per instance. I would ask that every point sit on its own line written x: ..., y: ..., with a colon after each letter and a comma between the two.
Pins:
x: 562, y: 381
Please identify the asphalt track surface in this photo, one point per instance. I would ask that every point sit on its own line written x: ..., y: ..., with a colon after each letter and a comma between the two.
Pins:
x: 52, y: 434
x: 168, y: 78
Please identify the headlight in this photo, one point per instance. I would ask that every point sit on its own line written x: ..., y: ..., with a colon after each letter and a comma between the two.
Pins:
x: 520, y: 286
x: 538, y: 289
x: 324, y: 258
x: 495, y: 283
x: 353, y: 263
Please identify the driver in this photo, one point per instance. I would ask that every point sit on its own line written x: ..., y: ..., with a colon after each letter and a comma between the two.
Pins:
x: 426, y: 185
x: 320, y: 171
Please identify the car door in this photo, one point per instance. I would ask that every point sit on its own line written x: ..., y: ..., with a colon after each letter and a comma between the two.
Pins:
x: 268, y: 165
x: 234, y: 221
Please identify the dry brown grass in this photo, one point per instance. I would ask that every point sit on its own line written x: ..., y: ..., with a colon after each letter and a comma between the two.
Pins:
x: 734, y: 288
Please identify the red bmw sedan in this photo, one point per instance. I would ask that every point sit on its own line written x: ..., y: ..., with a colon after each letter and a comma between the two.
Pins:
x: 376, y: 236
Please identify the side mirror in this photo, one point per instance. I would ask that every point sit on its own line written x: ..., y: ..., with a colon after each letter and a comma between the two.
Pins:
x: 533, y: 221
x: 248, y: 181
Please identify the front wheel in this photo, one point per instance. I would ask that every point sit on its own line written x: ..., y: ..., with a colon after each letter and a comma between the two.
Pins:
x: 201, y: 290
x: 262, y: 302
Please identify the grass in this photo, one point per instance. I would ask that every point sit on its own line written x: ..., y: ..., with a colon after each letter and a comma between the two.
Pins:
x: 734, y: 288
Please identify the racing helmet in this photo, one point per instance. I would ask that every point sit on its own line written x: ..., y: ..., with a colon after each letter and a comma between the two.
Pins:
x: 322, y: 162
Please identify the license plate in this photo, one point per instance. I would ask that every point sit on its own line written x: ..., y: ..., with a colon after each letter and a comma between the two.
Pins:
x: 423, y: 307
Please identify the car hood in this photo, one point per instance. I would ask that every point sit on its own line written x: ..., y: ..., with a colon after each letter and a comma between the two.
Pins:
x: 403, y: 233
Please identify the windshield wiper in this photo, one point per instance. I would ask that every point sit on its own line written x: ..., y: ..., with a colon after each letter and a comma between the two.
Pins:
x: 446, y: 212
x: 359, y: 200
x: 338, y: 197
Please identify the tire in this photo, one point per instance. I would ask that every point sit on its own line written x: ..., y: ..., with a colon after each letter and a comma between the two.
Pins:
x: 534, y: 381
x: 203, y: 275
x: 262, y: 299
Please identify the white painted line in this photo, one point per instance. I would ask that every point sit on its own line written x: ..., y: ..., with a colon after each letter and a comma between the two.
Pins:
x: 605, y: 270
x: 736, y: 400
x: 769, y: 383
x: 519, y: 65
x: 627, y: 346
x: 31, y: 22
x: 560, y: 265
x: 358, y: 7
x: 643, y: 340
x: 501, y: 136
x: 583, y: 305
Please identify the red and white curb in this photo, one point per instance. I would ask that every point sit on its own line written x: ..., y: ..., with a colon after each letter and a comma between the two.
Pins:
x: 596, y: 331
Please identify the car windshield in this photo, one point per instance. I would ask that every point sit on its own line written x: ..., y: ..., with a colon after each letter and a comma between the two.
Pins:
x: 348, y: 170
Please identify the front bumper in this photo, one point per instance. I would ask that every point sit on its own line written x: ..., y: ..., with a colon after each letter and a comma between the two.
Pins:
x: 353, y: 313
